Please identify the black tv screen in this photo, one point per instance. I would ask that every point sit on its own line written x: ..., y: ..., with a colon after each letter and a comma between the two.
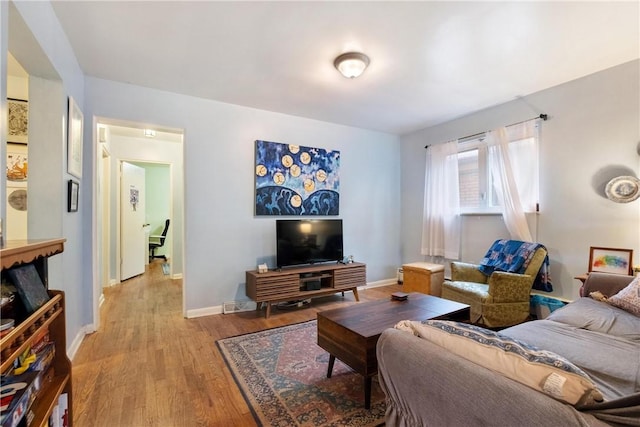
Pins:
x: 308, y: 241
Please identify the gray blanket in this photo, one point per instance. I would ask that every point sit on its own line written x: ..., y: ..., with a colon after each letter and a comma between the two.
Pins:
x: 602, y: 340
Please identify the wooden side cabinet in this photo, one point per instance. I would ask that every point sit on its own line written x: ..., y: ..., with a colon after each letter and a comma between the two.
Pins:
x: 423, y: 277
x: 57, y: 379
x: 304, y: 282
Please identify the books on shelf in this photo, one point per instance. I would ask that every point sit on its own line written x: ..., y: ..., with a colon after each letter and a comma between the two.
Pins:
x: 44, y: 358
x: 60, y: 414
x: 54, y: 419
x: 18, y: 392
x: 29, y: 285
x: 36, y: 357
x: 34, y: 344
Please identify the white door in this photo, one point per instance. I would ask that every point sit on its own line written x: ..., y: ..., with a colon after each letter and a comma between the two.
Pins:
x: 132, y: 220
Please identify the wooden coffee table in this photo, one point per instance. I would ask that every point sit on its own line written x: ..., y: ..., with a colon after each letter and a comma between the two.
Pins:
x: 351, y: 333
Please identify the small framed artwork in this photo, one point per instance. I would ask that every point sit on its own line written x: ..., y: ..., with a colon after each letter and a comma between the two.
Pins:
x: 74, y: 140
x: 611, y: 260
x: 17, y: 164
x: 72, y: 196
x: 18, y: 121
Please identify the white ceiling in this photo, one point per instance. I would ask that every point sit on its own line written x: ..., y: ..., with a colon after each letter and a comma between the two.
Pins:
x: 430, y: 61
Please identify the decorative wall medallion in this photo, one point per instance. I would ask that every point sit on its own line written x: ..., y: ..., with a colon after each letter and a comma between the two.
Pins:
x: 18, y: 200
x: 623, y: 189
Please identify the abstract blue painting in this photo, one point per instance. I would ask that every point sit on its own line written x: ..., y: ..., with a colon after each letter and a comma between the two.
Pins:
x: 296, y: 180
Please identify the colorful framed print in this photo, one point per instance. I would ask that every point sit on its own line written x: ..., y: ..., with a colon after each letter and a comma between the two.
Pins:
x: 17, y: 164
x: 296, y: 180
x: 610, y: 260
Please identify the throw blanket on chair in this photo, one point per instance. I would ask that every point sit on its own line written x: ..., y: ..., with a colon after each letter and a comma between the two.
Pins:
x: 514, y: 256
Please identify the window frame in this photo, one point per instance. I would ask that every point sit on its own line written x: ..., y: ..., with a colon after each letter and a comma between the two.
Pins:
x: 485, y: 187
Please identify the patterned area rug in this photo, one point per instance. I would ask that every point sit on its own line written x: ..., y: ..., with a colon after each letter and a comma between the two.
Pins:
x: 282, y: 374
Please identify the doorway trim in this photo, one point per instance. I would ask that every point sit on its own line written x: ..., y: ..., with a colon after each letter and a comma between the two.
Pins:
x: 98, y: 296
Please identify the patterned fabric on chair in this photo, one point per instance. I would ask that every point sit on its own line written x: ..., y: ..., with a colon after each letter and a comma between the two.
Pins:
x: 499, y: 296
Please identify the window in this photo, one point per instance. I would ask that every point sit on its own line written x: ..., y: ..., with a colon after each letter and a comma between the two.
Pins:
x: 476, y: 187
x: 469, y: 179
x: 477, y: 192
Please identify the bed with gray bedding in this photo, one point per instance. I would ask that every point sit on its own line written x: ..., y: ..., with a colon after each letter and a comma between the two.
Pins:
x: 426, y: 385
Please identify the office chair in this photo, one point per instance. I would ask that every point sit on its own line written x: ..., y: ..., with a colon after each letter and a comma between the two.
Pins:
x: 158, y: 242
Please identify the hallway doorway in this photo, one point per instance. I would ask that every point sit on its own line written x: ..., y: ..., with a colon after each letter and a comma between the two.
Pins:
x: 159, y: 151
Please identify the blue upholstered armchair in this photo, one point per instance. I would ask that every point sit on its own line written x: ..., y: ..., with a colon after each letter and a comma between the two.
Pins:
x: 498, y: 289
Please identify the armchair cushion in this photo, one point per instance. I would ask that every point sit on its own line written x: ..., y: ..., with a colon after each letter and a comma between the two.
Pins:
x: 465, y: 272
x: 479, y: 291
x: 476, y: 295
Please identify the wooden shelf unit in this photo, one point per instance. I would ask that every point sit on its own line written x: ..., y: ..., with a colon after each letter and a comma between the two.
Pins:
x: 52, y: 316
x: 289, y: 283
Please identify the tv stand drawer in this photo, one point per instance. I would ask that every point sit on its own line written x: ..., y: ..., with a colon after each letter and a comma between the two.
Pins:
x: 269, y: 286
x: 345, y: 278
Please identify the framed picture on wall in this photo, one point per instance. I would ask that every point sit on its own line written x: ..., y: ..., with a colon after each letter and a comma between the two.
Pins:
x: 610, y: 260
x: 296, y: 180
x: 73, y: 191
x: 74, y: 140
x: 18, y: 121
x: 17, y: 164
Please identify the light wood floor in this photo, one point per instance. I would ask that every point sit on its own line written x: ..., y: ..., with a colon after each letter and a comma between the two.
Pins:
x: 148, y: 366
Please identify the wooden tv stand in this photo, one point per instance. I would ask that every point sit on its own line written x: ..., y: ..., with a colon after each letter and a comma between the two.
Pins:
x: 291, y: 283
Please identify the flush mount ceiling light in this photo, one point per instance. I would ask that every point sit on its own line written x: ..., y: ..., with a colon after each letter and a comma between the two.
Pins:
x: 351, y: 64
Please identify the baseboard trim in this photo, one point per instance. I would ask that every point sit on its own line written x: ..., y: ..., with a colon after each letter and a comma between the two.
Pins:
x: 208, y: 311
x: 77, y: 341
x: 379, y: 283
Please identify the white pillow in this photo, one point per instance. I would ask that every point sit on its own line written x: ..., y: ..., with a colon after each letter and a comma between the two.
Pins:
x: 628, y: 298
x: 541, y: 370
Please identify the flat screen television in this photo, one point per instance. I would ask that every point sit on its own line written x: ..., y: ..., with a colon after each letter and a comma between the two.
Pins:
x: 313, y: 241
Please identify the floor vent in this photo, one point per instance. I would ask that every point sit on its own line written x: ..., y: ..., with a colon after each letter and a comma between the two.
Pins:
x: 238, y: 306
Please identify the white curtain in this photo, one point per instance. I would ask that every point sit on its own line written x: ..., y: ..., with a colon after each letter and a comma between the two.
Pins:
x: 441, y: 214
x: 513, y: 161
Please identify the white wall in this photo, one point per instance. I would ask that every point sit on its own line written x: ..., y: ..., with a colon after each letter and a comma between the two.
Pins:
x: 36, y: 40
x: 18, y: 87
x: 222, y: 237
x: 592, y: 135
